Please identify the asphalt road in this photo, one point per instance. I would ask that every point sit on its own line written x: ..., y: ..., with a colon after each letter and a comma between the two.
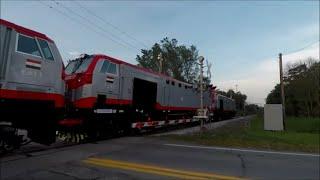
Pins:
x: 153, y: 158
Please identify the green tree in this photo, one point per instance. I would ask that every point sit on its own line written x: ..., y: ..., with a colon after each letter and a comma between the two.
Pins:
x: 252, y: 109
x: 274, y: 96
x: 179, y: 61
x: 301, y: 89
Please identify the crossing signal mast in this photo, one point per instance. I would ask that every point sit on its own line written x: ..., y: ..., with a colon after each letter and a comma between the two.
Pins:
x: 208, y: 69
x: 201, y: 112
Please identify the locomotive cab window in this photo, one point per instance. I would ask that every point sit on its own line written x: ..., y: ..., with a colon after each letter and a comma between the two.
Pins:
x: 45, y: 49
x: 28, y: 45
x: 109, y: 68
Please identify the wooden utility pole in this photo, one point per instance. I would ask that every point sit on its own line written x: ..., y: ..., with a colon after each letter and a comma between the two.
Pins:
x: 283, y: 101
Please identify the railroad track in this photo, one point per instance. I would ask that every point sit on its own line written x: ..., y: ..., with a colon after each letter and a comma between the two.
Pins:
x: 70, y: 139
x: 62, y: 140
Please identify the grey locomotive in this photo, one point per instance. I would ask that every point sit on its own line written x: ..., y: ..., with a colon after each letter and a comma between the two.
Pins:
x: 31, y: 85
x: 109, y: 94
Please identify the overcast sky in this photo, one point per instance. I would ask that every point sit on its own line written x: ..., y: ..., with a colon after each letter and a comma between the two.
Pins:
x: 241, y: 39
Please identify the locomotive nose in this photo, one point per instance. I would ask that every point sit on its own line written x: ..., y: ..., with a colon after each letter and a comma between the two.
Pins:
x: 77, y: 80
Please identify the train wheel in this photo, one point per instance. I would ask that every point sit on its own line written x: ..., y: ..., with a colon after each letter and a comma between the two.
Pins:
x: 9, y: 139
x: 6, y: 147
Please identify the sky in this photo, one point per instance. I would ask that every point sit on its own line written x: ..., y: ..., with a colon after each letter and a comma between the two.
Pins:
x: 241, y: 39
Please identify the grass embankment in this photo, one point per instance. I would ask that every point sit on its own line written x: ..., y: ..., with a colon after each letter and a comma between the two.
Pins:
x: 302, y: 134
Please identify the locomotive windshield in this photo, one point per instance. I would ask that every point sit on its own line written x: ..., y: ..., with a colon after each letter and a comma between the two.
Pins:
x: 78, y: 65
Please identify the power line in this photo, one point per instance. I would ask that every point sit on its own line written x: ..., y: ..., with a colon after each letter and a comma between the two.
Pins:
x: 83, y: 24
x: 300, y: 49
x: 72, y: 18
x: 110, y: 24
x: 94, y: 24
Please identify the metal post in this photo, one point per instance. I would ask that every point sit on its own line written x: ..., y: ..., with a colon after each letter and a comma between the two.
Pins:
x: 160, y: 62
x: 283, y: 102
x: 201, y: 58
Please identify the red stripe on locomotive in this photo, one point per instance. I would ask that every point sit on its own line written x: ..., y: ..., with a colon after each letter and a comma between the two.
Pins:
x: 27, y: 95
x: 33, y: 61
x: 90, y: 101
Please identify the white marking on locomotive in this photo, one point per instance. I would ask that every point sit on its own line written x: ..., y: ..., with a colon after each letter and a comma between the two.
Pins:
x: 160, y: 123
x: 172, y: 122
x: 29, y: 72
x: 103, y: 111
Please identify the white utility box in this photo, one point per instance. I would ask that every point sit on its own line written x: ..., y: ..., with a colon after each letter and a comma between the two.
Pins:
x: 273, y: 117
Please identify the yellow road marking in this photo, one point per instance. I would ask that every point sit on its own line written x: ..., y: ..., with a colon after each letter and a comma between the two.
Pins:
x: 156, y: 170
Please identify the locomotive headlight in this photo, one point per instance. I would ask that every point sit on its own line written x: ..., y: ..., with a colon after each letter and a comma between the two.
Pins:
x: 79, y: 80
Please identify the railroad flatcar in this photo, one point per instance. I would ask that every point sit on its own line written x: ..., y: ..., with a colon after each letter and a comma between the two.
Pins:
x: 31, y: 84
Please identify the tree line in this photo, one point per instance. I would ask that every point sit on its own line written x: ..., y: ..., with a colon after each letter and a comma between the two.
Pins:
x: 302, y: 89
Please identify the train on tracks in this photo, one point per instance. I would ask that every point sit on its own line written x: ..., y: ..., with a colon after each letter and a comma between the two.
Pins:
x: 93, y: 95
x: 31, y: 85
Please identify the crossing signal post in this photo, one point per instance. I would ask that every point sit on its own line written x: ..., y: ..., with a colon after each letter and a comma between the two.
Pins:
x: 201, y: 112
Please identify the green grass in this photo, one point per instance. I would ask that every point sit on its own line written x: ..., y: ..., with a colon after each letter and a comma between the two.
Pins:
x: 302, y: 134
